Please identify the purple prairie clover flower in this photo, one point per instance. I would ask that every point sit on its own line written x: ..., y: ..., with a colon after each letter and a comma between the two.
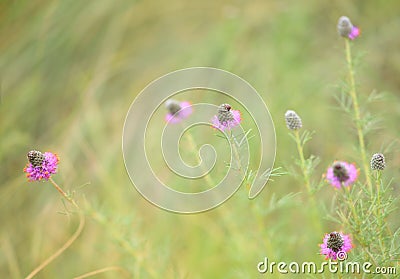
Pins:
x: 41, y: 165
x: 227, y: 118
x: 347, y: 29
x: 341, y: 174
x: 335, y: 243
x: 177, y: 111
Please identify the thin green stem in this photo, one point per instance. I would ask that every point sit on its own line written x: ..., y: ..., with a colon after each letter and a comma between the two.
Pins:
x: 357, y: 115
x: 105, y: 269
x: 378, y: 195
x: 370, y: 255
x: 65, y: 195
x: 236, y: 152
x: 346, y: 196
x: 69, y: 241
x: 307, y: 181
x: 356, y: 230
x: 378, y: 215
x: 365, y: 163
x: 352, y: 207
x: 303, y: 162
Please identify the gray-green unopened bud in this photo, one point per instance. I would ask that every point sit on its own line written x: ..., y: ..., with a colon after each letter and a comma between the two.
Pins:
x: 378, y: 162
x: 293, y: 121
x: 344, y: 26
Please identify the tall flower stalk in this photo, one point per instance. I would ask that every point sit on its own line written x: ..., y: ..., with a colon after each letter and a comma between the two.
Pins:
x: 342, y: 176
x: 41, y: 167
x: 378, y: 164
x: 350, y: 32
x: 365, y: 209
x: 225, y: 120
x: 357, y: 114
x: 304, y: 168
x: 294, y: 123
x: 67, y: 244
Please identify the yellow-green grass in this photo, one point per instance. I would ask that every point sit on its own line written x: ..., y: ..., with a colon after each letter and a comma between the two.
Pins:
x: 69, y: 71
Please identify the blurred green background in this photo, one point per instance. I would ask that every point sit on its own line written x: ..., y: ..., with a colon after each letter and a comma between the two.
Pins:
x: 69, y: 71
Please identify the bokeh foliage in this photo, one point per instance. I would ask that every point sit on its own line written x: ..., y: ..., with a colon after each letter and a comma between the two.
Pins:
x: 69, y: 71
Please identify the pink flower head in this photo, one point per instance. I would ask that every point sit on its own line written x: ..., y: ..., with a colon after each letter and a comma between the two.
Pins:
x: 346, y: 29
x: 177, y: 111
x: 354, y: 33
x: 41, y: 166
x: 227, y: 118
x: 342, y: 174
x: 335, y: 243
